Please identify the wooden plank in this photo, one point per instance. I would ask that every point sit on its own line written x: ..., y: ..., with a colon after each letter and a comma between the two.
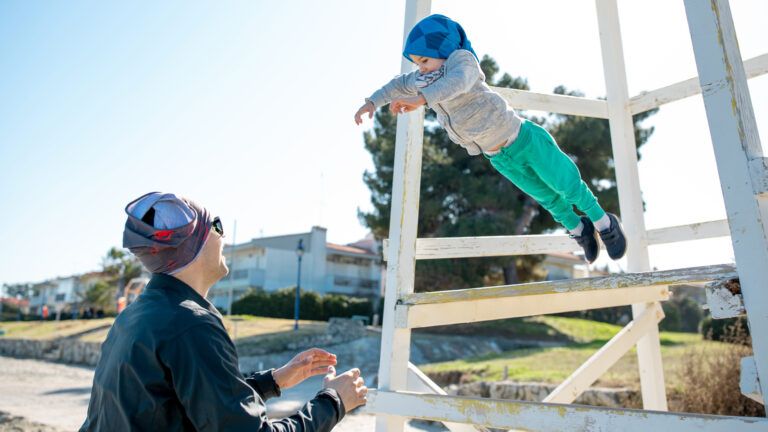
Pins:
x: 734, y: 133
x: 630, y: 195
x: 758, y: 168
x: 544, y: 417
x: 645, y: 101
x: 490, y: 246
x: 418, y: 382
x: 600, y: 283
x: 748, y: 382
x: 396, y: 342
x: 605, y: 357
x: 554, y: 103
x: 695, y: 231
x: 456, y: 312
x: 724, y: 298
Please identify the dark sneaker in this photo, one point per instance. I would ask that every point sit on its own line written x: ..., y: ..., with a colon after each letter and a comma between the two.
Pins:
x: 614, y: 239
x: 588, y: 240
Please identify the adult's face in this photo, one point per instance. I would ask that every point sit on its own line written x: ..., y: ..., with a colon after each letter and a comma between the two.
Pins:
x: 212, y: 257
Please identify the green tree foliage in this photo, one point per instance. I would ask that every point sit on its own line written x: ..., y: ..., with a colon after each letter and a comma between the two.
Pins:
x: 100, y: 295
x: 119, y: 266
x: 24, y: 290
x: 463, y: 195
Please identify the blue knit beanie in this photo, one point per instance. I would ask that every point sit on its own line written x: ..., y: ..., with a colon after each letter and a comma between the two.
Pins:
x: 436, y: 36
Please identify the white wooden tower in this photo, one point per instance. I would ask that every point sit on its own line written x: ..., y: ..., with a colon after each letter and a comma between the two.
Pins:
x: 404, y: 392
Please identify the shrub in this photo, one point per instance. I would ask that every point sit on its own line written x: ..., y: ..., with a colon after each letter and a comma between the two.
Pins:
x: 712, y: 375
x: 723, y: 329
x: 313, y: 306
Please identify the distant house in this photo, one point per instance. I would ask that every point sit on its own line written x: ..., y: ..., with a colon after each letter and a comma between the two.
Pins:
x: 560, y: 266
x: 271, y: 263
x: 62, y: 293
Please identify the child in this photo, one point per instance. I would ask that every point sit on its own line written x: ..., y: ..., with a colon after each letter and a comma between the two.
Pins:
x: 449, y: 80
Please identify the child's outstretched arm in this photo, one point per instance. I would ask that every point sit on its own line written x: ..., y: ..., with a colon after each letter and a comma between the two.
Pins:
x: 462, y: 72
x: 402, y: 86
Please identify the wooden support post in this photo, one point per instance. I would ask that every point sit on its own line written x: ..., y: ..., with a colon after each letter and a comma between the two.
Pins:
x: 605, y: 357
x: 630, y: 199
x: 736, y: 142
x: 401, y: 262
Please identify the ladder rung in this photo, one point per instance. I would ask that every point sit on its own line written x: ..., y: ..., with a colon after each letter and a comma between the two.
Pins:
x: 490, y: 246
x: 509, y: 301
x: 509, y: 414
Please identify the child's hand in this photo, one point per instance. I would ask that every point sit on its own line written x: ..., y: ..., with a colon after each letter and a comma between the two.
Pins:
x: 366, y: 108
x: 399, y: 106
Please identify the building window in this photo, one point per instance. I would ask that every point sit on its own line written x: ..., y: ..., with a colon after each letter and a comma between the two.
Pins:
x: 369, y: 283
x: 343, y: 259
x: 240, y: 274
x: 342, y: 281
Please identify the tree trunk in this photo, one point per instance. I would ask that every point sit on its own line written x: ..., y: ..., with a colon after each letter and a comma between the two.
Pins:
x: 522, y: 225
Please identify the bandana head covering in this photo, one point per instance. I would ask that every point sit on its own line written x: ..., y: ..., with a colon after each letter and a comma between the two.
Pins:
x: 436, y: 36
x: 165, y: 232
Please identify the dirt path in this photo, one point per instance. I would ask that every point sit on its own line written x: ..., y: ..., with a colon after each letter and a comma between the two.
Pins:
x: 52, y: 397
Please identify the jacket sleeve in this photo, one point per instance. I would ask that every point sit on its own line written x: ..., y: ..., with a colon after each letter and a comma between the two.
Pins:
x: 264, y: 384
x: 202, y: 364
x: 401, y: 86
x: 462, y: 71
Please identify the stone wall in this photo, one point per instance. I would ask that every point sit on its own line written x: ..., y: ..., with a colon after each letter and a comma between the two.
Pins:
x: 60, y: 350
x: 536, y: 392
x: 88, y: 353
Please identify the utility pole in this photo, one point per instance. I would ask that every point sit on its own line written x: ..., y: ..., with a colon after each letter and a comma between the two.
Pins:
x: 232, y: 269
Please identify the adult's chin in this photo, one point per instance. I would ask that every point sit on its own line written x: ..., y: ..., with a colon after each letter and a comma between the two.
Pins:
x: 223, y: 269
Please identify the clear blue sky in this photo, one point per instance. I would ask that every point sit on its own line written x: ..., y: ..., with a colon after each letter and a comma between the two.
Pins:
x: 246, y: 106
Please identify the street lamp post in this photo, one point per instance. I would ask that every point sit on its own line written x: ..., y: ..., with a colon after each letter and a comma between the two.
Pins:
x: 299, y: 254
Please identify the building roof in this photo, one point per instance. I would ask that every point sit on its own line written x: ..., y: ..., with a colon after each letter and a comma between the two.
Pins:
x: 15, y: 302
x: 348, y: 249
x: 566, y: 256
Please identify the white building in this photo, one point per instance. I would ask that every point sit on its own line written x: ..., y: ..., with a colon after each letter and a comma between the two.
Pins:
x: 271, y: 263
x: 61, y: 293
x: 558, y: 266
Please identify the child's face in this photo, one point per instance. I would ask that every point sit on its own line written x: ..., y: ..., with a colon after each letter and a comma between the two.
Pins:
x: 427, y: 64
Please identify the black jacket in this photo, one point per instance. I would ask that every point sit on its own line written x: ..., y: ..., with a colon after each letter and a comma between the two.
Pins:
x: 168, y: 364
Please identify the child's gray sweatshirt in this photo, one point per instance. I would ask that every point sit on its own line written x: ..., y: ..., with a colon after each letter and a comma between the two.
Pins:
x: 474, y: 116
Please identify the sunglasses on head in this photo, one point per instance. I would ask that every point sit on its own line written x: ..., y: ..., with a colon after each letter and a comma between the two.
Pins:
x: 218, y: 226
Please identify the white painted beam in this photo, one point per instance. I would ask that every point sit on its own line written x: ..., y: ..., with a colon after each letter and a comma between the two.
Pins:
x: 645, y: 101
x: 544, y: 417
x: 630, y: 195
x: 554, y: 103
x: 600, y: 283
x: 758, y: 169
x: 605, y: 357
x: 418, y: 382
x: 749, y: 384
x: 489, y: 246
x: 467, y: 311
x: 736, y: 142
x: 695, y: 231
x: 396, y: 342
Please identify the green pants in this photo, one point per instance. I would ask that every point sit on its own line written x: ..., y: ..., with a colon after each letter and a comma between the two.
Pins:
x: 536, y: 165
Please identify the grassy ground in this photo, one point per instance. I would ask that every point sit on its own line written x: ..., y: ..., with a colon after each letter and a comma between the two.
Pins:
x: 51, y: 329
x: 555, y: 364
x: 250, y: 329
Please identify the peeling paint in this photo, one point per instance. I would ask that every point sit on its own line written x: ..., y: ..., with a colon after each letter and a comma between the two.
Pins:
x: 629, y: 280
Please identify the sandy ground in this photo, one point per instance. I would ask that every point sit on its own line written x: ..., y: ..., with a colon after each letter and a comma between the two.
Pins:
x: 52, y: 397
